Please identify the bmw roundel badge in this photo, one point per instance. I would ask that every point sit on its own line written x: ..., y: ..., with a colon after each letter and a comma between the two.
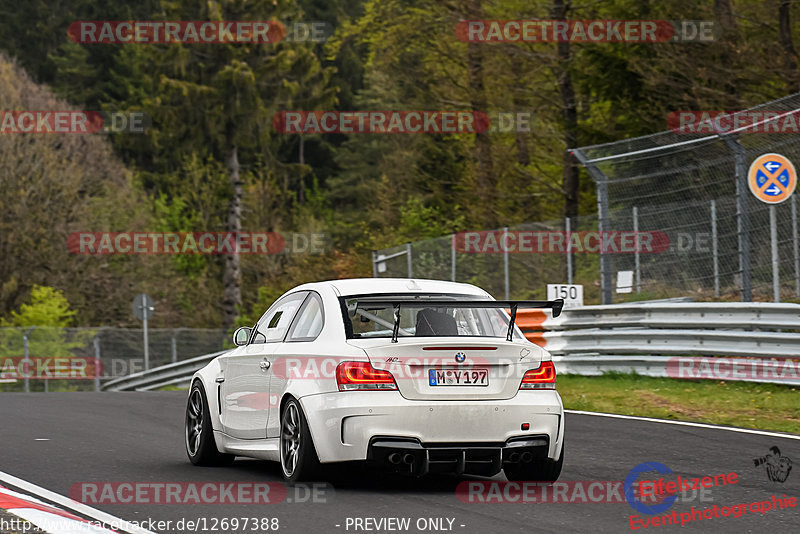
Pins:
x: 460, y: 357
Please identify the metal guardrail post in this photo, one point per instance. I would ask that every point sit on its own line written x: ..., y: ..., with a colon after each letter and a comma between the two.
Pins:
x: 506, y: 281
x: 568, y: 228
x: 636, y: 259
x: 96, y: 342
x: 453, y: 258
x: 796, y: 247
x: 410, y: 265
x: 773, y: 237
x: 742, y: 215
x: 26, y: 359
x: 715, y: 246
x: 175, y: 344
x: 603, y: 222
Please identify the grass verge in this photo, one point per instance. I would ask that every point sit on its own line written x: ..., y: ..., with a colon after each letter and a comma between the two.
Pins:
x: 744, y: 404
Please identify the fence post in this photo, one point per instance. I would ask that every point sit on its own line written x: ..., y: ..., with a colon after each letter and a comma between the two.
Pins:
x: 374, y: 266
x: 603, y: 222
x: 96, y: 341
x: 408, y: 254
x: 505, y: 261
x: 26, y: 359
x: 175, y: 345
x: 773, y: 237
x: 637, y: 265
x: 742, y: 215
x: 453, y: 258
x: 796, y: 247
x: 568, y: 228
x: 46, y: 385
x: 714, y: 246
x: 146, y: 344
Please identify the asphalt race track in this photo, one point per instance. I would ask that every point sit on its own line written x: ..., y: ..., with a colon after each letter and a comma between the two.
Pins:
x: 138, y: 437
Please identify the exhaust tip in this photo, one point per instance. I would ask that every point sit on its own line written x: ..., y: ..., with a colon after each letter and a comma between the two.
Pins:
x: 408, y: 458
x: 526, y: 457
x: 395, y: 458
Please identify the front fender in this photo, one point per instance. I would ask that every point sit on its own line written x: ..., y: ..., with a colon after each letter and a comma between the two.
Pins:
x: 207, y: 376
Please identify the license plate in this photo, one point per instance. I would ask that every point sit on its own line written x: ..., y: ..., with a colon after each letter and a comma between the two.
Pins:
x: 458, y: 377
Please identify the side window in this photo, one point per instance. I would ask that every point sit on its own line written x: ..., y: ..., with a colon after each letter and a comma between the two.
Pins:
x: 273, y: 325
x: 309, y: 322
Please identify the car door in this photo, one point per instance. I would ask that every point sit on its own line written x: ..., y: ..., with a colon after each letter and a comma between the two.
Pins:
x: 300, y: 344
x: 246, y: 382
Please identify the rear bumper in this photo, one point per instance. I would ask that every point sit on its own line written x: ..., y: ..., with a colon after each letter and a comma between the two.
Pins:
x: 411, y: 457
x: 348, y: 426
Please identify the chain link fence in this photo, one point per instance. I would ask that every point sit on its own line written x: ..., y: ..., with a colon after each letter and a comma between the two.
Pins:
x: 81, y: 359
x: 675, y: 216
x: 676, y: 177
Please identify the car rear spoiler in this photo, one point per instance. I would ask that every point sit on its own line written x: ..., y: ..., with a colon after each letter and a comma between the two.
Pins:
x: 512, y: 305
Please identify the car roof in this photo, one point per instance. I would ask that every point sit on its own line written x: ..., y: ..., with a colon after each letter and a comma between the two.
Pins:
x: 368, y: 286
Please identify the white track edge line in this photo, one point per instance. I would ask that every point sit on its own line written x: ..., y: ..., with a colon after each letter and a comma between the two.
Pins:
x: 688, y: 423
x: 73, y: 505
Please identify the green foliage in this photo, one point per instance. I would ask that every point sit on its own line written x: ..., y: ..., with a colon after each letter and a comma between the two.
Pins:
x: 420, y: 221
x: 363, y: 191
x: 47, y: 307
x: 43, y: 320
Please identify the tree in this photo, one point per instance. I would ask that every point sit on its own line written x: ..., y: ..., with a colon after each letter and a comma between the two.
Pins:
x: 47, y: 307
x: 218, y: 101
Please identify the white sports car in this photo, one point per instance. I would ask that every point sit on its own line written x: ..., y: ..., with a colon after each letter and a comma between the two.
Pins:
x: 417, y: 376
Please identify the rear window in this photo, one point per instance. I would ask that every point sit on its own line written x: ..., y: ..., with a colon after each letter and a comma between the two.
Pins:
x: 365, y: 320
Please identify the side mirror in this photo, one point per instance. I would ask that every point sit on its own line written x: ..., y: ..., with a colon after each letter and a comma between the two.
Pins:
x: 241, y: 335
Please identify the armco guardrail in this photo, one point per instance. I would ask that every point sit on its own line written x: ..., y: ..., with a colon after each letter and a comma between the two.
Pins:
x: 641, y: 337
x: 173, y: 374
x: 717, y: 368
x: 745, y: 315
x: 646, y: 338
x: 711, y: 328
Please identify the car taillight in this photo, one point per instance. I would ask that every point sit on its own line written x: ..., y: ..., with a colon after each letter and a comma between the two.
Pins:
x: 353, y: 376
x: 542, y: 378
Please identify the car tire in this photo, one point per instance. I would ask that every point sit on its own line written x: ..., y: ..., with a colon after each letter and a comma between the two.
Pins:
x: 541, y: 471
x: 297, y: 453
x: 198, y: 432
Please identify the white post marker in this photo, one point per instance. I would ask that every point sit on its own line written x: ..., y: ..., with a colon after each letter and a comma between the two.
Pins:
x: 636, y: 253
x: 772, y: 179
x: 143, y: 309
x: 571, y: 293
x: 624, y: 281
